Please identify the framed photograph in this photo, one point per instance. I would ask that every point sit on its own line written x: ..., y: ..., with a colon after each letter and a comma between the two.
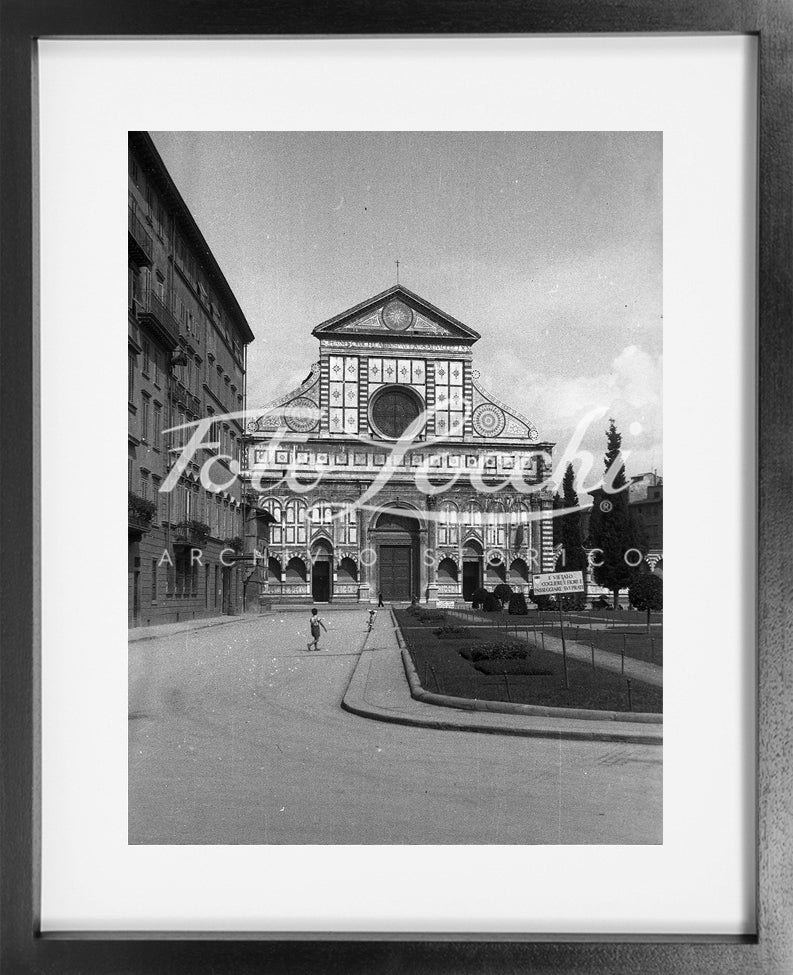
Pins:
x: 290, y: 736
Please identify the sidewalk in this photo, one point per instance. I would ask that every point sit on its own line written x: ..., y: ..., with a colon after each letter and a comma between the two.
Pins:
x: 379, y: 689
x: 137, y: 633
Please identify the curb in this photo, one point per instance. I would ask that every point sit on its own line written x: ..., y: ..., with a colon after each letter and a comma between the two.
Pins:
x: 353, y: 702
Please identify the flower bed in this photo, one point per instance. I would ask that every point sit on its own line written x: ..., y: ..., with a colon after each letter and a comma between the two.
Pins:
x: 450, y: 631
x: 497, y: 650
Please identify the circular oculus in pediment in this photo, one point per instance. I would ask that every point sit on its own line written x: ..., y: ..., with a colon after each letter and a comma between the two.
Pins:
x: 397, y: 315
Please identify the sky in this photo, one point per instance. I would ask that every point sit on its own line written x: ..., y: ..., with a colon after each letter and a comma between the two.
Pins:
x: 549, y: 244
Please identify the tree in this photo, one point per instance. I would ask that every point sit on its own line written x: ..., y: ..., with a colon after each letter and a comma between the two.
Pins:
x: 613, y: 529
x: 542, y: 602
x: 491, y: 604
x: 502, y: 592
x: 517, y: 605
x: 647, y: 592
x: 478, y: 597
x: 572, y: 557
x: 558, y: 502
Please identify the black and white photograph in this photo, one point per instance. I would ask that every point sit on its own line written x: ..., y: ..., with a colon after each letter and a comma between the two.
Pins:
x: 395, y: 488
x: 420, y: 320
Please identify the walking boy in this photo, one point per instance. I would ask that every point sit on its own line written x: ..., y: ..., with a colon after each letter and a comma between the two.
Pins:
x: 316, y: 623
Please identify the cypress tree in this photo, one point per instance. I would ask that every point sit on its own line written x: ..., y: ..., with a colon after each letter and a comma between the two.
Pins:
x: 613, y: 527
x: 572, y: 558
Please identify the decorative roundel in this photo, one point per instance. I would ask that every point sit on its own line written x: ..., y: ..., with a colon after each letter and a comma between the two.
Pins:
x: 533, y: 434
x: 397, y: 315
x: 476, y: 374
x: 488, y: 420
x: 300, y: 415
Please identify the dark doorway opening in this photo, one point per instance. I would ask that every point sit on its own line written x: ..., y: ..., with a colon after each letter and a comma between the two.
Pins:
x: 136, y: 598
x: 395, y: 572
x: 471, y: 579
x: 225, y: 582
x: 320, y: 582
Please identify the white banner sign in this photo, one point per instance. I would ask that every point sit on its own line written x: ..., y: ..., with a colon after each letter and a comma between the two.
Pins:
x: 557, y: 582
x: 445, y: 604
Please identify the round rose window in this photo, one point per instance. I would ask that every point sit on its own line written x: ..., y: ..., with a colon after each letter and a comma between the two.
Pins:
x: 394, y: 410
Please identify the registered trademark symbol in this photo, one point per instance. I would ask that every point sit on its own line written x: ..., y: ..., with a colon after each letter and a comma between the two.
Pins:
x: 606, y: 506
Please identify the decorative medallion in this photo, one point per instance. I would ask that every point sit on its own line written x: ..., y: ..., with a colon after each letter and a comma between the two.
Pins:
x: 397, y: 315
x: 488, y: 420
x: 300, y: 415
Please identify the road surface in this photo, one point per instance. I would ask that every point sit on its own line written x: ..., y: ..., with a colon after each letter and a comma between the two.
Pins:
x: 237, y: 737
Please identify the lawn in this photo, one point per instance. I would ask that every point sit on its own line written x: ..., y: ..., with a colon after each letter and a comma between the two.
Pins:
x: 539, y: 679
x: 634, y: 639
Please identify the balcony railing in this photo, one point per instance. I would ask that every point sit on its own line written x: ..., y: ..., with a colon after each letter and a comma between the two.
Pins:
x: 154, y: 313
x: 141, y: 248
x: 140, y: 514
x: 191, y: 532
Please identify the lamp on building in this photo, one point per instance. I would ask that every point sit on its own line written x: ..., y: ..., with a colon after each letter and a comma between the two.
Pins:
x: 178, y: 358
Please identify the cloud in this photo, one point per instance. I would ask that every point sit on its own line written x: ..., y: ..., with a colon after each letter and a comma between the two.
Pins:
x: 630, y: 390
x: 634, y: 380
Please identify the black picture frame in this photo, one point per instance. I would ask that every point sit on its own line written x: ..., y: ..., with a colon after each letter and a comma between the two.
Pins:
x: 24, y: 949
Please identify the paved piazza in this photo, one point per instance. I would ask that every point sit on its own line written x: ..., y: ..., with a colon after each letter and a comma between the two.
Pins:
x: 236, y: 735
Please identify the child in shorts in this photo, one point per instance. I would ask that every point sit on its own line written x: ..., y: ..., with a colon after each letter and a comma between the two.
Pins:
x: 315, y: 623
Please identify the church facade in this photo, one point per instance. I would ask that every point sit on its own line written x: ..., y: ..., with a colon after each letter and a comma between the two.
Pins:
x: 391, y: 470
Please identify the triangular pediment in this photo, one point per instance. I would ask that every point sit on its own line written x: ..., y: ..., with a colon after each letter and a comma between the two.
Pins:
x: 396, y: 312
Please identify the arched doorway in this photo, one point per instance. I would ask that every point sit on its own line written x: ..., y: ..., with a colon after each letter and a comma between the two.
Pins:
x: 395, y: 538
x: 472, y: 568
x: 321, y: 571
